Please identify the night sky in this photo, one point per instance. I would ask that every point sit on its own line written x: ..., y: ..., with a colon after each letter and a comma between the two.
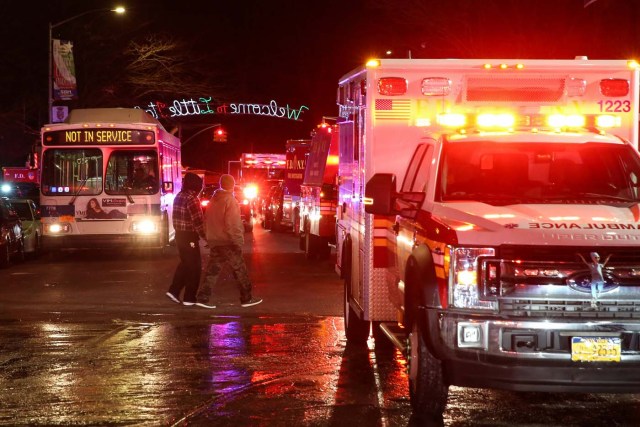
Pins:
x: 290, y: 52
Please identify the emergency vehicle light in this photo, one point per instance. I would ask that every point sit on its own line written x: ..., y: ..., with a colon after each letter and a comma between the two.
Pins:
x: 250, y: 192
x: 391, y: 86
x: 614, y: 87
x: 373, y: 63
x: 561, y: 121
x: 607, y: 121
x: 503, y: 120
x: 436, y: 86
x: 452, y: 119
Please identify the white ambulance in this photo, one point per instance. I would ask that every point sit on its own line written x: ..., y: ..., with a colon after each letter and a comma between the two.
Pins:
x: 488, y: 222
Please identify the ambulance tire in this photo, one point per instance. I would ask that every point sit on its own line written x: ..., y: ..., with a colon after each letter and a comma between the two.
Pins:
x: 277, y: 222
x: 302, y: 237
x: 355, y: 329
x: 427, y: 388
x: 324, y: 250
x: 310, y: 245
x: 296, y: 222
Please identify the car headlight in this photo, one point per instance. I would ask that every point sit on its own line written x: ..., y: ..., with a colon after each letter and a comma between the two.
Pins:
x: 464, y: 279
x: 144, y: 226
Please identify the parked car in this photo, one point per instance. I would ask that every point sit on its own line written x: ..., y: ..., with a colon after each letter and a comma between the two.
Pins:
x: 246, y: 210
x: 11, y: 238
x: 31, y: 226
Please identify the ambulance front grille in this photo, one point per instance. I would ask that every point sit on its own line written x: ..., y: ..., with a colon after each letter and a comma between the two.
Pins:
x: 555, y: 282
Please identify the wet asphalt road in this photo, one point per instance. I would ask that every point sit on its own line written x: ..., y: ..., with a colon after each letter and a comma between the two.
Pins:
x: 88, y: 338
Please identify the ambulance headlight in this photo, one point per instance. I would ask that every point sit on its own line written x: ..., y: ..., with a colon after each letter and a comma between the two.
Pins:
x: 464, y: 278
x: 144, y: 226
x: 57, y: 228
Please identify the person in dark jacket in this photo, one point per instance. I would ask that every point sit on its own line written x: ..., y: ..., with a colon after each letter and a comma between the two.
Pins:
x: 188, y: 222
x: 225, y: 237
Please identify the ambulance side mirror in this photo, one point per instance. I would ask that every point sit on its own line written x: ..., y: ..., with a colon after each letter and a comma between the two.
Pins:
x: 379, y: 194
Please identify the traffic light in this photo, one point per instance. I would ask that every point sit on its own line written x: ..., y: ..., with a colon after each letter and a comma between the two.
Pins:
x: 219, y: 135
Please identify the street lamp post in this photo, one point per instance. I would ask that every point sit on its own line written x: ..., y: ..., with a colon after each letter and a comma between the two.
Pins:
x: 118, y: 10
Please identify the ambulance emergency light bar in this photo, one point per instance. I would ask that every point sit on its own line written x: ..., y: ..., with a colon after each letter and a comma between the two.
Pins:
x: 484, y: 89
x: 260, y: 160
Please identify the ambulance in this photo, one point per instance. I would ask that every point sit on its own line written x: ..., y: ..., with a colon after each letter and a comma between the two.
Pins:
x: 488, y: 222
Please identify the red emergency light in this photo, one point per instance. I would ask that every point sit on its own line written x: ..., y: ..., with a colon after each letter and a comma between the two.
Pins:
x: 392, y: 86
x: 614, y: 87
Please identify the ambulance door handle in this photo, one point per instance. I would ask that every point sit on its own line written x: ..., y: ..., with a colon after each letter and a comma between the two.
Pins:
x: 396, y: 228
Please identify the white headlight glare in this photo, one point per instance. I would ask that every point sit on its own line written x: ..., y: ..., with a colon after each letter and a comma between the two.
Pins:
x: 144, y: 226
x: 464, y: 280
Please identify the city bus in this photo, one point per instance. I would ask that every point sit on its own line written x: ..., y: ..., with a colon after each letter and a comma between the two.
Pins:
x: 108, y: 179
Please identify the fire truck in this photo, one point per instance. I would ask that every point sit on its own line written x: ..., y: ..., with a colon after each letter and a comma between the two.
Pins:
x: 319, y: 194
x: 489, y: 222
x: 283, y: 212
x: 259, y: 172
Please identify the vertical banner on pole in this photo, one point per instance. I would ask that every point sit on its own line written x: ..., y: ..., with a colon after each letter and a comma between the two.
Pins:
x: 64, y: 72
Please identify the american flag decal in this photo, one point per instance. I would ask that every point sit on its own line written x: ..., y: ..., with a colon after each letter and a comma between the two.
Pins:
x: 393, y: 109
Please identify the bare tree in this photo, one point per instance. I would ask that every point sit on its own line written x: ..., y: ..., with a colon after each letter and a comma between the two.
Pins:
x: 164, y: 66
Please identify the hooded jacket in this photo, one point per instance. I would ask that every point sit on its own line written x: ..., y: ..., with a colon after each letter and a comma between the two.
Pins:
x: 223, y: 222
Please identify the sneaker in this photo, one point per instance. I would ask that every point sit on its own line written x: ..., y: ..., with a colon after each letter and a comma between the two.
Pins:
x: 188, y: 303
x: 252, y: 301
x: 173, y: 298
x: 205, y: 305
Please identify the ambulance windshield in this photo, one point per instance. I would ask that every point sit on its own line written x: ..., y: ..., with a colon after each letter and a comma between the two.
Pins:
x: 539, y: 173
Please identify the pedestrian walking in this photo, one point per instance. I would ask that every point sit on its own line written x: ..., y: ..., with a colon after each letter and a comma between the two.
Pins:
x: 188, y: 222
x: 225, y: 238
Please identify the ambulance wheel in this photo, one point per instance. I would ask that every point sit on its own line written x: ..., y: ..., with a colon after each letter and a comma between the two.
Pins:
x: 427, y: 388
x: 324, y: 250
x: 355, y: 329
x: 277, y: 222
x: 310, y: 245
x: 296, y: 222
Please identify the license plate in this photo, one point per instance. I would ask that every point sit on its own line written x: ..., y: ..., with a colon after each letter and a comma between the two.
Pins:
x: 595, y: 349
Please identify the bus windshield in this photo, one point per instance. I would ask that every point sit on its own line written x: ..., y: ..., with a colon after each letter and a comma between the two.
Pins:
x: 72, y: 171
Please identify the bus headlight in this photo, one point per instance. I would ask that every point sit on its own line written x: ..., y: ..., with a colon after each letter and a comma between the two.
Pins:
x: 144, y: 226
x: 57, y: 228
x: 464, y: 280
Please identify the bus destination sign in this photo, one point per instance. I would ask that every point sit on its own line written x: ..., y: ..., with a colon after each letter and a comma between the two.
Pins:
x: 99, y: 136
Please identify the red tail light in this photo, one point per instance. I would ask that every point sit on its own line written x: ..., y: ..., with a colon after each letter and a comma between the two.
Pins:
x: 614, y: 87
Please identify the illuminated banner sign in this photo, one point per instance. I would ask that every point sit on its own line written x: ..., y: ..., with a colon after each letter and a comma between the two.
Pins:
x: 64, y: 72
x: 99, y: 136
x: 191, y: 107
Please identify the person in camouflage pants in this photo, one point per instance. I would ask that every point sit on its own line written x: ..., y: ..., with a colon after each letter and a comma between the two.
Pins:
x: 230, y: 255
x: 225, y: 237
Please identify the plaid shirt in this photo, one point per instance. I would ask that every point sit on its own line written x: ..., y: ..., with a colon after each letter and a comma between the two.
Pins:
x: 187, y: 213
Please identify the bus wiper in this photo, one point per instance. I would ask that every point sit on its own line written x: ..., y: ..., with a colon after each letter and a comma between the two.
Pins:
x: 126, y: 192
x: 75, y: 196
